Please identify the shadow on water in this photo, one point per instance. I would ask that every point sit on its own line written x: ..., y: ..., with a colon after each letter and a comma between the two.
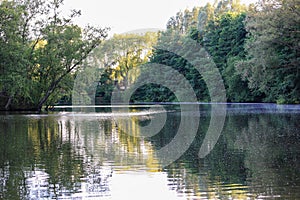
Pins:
x: 89, y: 155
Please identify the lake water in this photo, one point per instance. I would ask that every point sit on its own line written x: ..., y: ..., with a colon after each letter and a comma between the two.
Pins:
x: 92, y: 155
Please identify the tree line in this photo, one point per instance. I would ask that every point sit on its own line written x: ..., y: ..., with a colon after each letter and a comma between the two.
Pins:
x: 255, y: 49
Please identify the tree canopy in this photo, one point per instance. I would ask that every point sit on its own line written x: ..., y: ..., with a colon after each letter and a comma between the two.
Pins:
x: 40, y: 50
x: 273, y: 50
x: 255, y: 48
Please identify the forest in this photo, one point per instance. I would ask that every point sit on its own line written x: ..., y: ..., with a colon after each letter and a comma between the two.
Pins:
x: 255, y: 49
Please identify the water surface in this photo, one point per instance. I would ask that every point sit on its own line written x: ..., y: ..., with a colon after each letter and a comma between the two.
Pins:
x: 83, y: 155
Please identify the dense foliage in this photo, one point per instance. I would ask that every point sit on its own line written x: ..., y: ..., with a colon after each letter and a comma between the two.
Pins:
x: 115, y: 63
x: 272, y: 63
x: 255, y: 48
x: 40, y: 51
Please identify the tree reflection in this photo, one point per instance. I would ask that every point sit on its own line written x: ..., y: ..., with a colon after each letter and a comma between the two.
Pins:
x: 256, y: 156
x: 61, y: 155
x: 54, y: 156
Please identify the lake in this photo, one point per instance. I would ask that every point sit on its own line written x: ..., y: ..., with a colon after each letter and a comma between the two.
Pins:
x: 106, y: 154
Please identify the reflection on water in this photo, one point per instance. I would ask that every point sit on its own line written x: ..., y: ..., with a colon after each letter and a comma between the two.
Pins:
x: 87, y: 155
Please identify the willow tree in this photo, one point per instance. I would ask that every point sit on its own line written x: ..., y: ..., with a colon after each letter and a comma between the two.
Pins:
x: 118, y: 60
x: 40, y: 50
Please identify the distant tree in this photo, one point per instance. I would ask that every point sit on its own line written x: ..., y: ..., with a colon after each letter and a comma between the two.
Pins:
x: 224, y: 39
x: 183, y: 21
x: 224, y: 6
x: 119, y: 59
x: 205, y: 14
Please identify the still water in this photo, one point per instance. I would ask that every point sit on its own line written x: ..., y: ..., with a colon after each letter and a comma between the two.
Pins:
x: 84, y: 155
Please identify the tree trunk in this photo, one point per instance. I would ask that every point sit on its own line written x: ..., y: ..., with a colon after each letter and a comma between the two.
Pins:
x: 45, y: 98
x: 49, y: 92
x: 8, y: 103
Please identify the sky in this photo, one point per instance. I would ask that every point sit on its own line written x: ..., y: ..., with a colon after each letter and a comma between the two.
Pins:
x: 129, y: 15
